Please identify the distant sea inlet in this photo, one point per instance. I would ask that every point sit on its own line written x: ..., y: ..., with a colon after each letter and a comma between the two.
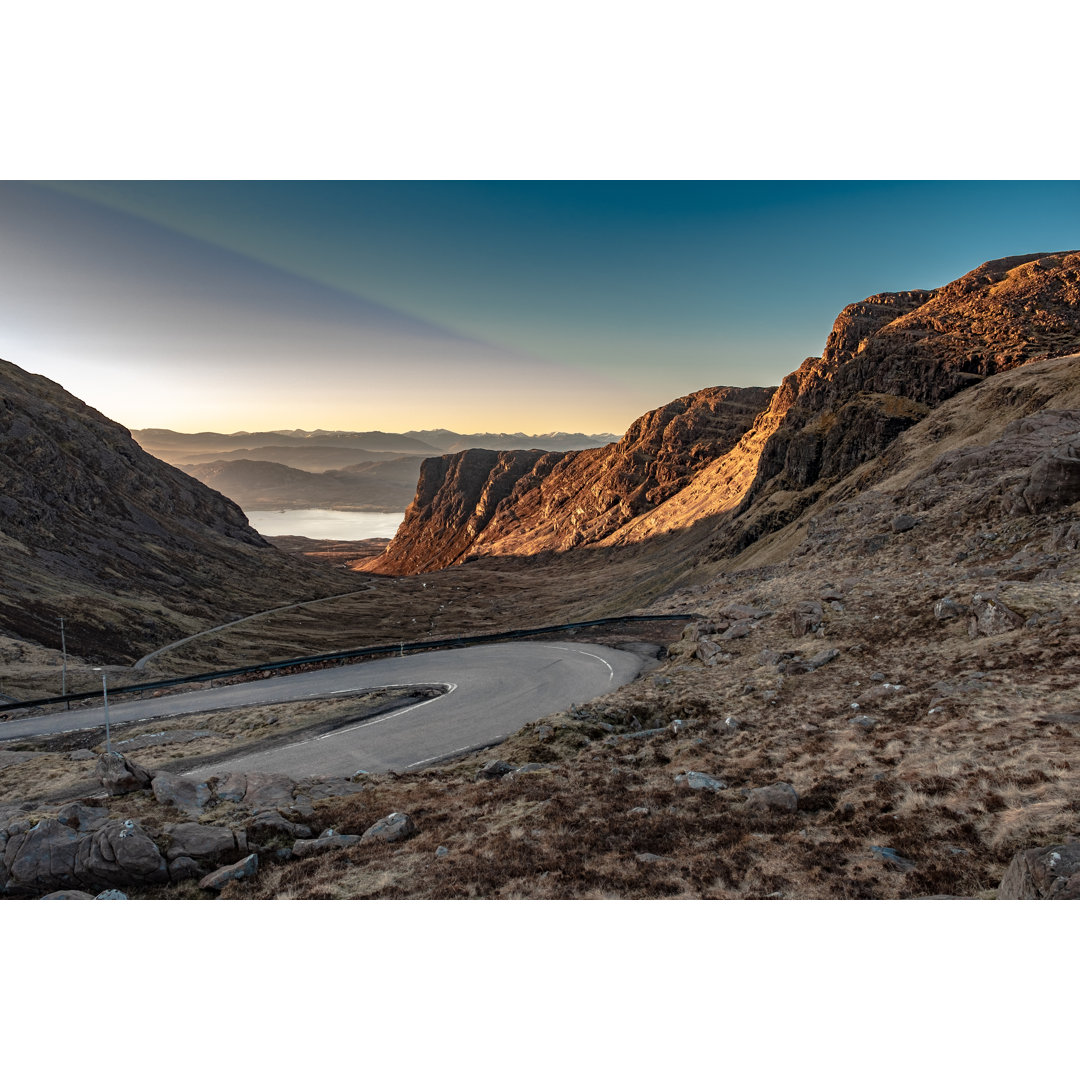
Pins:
x: 324, y: 524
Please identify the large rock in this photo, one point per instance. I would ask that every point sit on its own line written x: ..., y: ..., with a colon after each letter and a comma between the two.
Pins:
x: 217, y: 880
x: 120, y: 853
x: 1046, y: 873
x: 492, y: 770
x: 207, y: 843
x: 42, y: 859
x: 83, y: 818
x: 391, y: 828
x: 119, y: 776
x: 187, y: 795
x: 268, y: 825
x: 69, y: 894
x: 989, y: 616
x: 778, y: 797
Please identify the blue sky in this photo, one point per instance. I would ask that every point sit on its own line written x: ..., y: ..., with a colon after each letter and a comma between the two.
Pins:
x: 529, y: 306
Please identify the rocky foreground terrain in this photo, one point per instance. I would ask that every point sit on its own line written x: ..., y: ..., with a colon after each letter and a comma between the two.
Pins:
x: 874, y: 694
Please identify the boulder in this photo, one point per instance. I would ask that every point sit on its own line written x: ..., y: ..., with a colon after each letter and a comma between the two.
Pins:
x: 120, y: 853
x: 325, y: 842
x: 69, y: 894
x: 392, y: 828
x: 231, y: 788
x: 737, y: 630
x: 806, y: 618
x: 743, y: 611
x: 780, y: 797
x: 904, y: 523
x: 706, y: 650
x: 42, y: 859
x: 1046, y: 873
x: 217, y: 880
x: 698, y: 781
x: 187, y: 795
x: 209, y: 843
x: 989, y: 616
x: 493, y: 770
x: 947, y: 608
x: 111, y: 894
x: 118, y: 776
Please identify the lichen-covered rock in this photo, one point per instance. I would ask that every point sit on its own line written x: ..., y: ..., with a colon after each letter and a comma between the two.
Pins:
x: 325, y: 843
x: 699, y: 781
x: 1053, y: 482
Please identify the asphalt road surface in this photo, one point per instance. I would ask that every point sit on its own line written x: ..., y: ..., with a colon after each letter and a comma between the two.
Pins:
x: 492, y: 691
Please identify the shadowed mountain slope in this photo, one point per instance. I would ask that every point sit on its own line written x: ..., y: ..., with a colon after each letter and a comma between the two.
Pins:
x: 131, y: 551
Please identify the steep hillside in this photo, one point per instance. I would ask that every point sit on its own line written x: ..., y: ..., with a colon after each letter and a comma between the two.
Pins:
x: 523, y: 502
x: 131, y: 551
x: 888, y: 362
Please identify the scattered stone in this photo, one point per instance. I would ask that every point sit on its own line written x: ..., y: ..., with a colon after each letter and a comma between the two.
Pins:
x: 69, y: 894
x: 731, y: 724
x: 545, y: 731
x: 1046, y: 873
x: 80, y: 755
x: 890, y: 855
x: 441, y: 852
x: 948, y: 608
x: 118, y: 776
x: 639, y: 810
x: 493, y: 770
x: 780, y: 797
x: 706, y: 650
x: 111, y: 894
x: 737, y: 630
x: 989, y: 616
x: 659, y: 681
x: 187, y: 795
x: 329, y: 839
x: 877, y: 676
x: 806, y: 618
x: 904, y: 523
x: 797, y: 665
x: 863, y: 721
x: 531, y: 767
x: 648, y: 856
x: 389, y: 829
x: 698, y: 781
x: 830, y: 594
x: 245, y: 868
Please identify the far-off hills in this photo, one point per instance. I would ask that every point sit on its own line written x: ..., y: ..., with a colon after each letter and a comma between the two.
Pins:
x: 331, y: 470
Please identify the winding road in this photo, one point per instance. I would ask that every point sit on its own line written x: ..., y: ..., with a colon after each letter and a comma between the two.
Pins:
x: 491, y: 692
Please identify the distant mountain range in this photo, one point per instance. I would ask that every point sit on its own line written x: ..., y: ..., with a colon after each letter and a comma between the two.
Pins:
x: 333, y: 470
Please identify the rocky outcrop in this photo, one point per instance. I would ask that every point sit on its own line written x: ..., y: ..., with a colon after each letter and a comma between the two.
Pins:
x: 481, y: 502
x: 754, y: 462
x: 1047, y: 873
x: 94, y: 527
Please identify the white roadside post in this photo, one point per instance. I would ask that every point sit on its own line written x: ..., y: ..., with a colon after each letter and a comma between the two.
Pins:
x: 105, y: 696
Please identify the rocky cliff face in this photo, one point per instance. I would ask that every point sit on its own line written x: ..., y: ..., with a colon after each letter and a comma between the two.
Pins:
x: 753, y: 461
x: 522, y: 502
x: 130, y: 550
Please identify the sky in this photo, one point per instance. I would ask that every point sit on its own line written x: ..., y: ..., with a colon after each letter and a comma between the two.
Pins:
x: 475, y: 306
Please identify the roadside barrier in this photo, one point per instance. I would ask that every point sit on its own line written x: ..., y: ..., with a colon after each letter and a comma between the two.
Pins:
x: 400, y: 649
